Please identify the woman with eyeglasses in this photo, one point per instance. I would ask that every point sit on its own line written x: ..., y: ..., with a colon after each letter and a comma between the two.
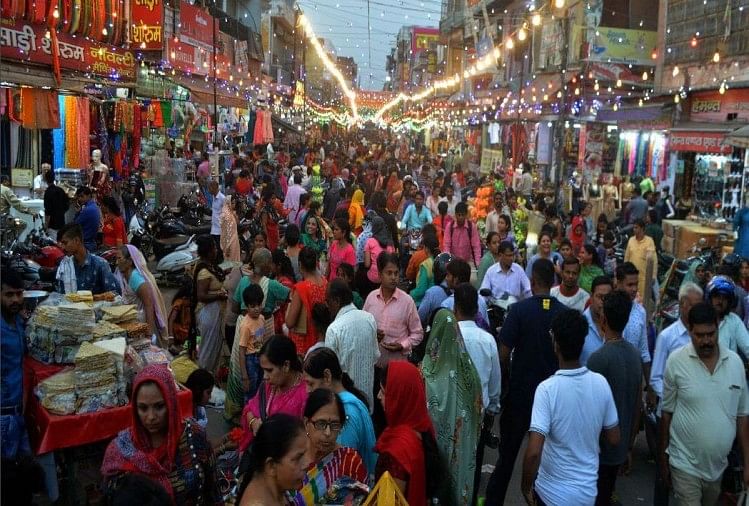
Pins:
x: 336, y: 471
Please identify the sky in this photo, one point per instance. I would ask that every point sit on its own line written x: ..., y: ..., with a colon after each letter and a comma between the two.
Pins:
x: 344, y: 23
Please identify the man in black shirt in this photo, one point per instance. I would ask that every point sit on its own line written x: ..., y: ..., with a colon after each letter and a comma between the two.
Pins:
x: 525, y: 336
x: 56, y: 204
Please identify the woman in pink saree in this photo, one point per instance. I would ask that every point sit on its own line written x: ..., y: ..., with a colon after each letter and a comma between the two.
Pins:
x: 282, y: 390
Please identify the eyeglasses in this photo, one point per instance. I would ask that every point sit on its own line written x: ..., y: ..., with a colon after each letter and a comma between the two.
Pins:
x: 321, y: 425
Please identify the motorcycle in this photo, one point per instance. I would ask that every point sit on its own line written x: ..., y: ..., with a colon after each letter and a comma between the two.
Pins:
x: 497, y: 308
x: 35, y: 277
x: 172, y: 268
x: 167, y: 233
x: 193, y: 215
x: 138, y: 231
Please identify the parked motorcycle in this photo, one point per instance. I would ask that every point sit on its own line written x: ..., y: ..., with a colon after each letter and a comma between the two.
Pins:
x: 172, y: 268
x: 497, y: 309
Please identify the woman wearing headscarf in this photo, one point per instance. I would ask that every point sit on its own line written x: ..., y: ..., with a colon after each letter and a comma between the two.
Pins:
x: 356, y: 212
x: 229, y: 237
x: 407, y: 448
x: 454, y: 400
x: 139, y: 287
x: 161, y: 446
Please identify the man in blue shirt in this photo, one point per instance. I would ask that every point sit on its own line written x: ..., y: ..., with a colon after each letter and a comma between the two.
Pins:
x: 416, y: 215
x: 88, y: 217
x: 636, y: 331
x: 15, y: 439
x: 81, y: 270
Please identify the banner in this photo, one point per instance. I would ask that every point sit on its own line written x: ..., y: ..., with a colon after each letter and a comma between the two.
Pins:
x: 27, y: 42
x: 421, y: 38
x: 196, y: 26
x: 618, y: 45
x: 146, y: 24
x: 699, y: 142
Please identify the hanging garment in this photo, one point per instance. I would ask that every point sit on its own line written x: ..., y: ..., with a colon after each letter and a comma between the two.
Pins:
x: 58, y: 137
x: 40, y: 108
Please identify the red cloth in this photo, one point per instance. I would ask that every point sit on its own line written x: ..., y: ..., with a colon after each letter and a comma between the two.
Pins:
x: 112, y: 231
x: 310, y: 294
x: 406, y: 414
x: 577, y: 239
x: 242, y: 186
x: 50, y: 432
x: 141, y: 457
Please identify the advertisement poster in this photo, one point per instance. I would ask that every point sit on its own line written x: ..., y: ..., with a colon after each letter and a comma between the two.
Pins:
x: 146, y: 24
x: 27, y: 42
x: 618, y: 45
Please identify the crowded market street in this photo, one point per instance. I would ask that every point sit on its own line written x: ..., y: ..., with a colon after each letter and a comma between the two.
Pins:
x: 374, y: 253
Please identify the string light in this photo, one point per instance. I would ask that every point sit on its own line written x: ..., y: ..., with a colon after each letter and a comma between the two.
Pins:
x: 716, y: 57
x: 522, y: 34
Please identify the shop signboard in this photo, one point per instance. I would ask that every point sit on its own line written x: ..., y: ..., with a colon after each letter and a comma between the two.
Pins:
x: 27, y: 42
x: 421, y: 38
x: 619, y: 45
x: 699, y: 142
x: 195, y: 26
x: 711, y: 106
x: 147, y: 24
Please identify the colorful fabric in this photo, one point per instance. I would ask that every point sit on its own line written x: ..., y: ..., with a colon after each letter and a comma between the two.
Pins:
x: 310, y: 294
x: 318, y: 487
x: 291, y: 402
x: 131, y: 451
x: 407, y: 417
x: 234, y: 388
x: 454, y: 399
x: 356, y: 211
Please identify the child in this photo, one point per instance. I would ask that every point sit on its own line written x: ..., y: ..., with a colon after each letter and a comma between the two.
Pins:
x: 346, y: 272
x: 200, y: 382
x: 251, y: 339
x: 180, y: 316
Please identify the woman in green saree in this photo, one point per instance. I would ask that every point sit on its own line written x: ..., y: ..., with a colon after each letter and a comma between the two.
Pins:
x: 454, y: 401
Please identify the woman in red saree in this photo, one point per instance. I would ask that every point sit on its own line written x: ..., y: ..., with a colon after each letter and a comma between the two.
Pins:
x: 307, y: 293
x: 407, y: 447
x: 161, y: 446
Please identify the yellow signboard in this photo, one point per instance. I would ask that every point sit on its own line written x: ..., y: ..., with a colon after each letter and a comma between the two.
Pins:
x: 618, y: 45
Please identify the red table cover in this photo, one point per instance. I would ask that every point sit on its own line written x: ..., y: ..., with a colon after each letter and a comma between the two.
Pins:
x: 49, y: 432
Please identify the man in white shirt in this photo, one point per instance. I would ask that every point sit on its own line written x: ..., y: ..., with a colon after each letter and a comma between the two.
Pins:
x: 480, y: 345
x: 569, y: 292
x: 561, y: 460
x: 217, y: 206
x: 705, y: 407
x: 291, y: 202
x: 353, y: 337
x: 507, y: 277
x: 671, y: 339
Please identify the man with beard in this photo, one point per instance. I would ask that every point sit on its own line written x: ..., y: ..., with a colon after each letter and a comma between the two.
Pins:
x: 721, y: 293
x: 705, y: 407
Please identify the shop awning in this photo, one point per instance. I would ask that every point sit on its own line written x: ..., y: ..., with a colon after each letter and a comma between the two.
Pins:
x: 201, y: 92
x: 738, y: 138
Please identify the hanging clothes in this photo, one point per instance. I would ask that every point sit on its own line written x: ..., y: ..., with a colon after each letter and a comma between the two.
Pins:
x: 58, y: 137
x: 40, y: 108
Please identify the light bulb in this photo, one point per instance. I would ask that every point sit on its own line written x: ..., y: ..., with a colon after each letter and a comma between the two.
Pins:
x: 56, y: 13
x: 716, y: 57
x: 104, y: 31
x: 722, y: 89
x: 616, y: 107
x: 645, y: 76
x: 640, y: 103
x: 577, y: 91
x: 536, y: 19
x: 618, y: 83
x: 510, y: 44
x: 675, y: 72
x: 677, y: 99
x: 522, y: 34
x: 173, y: 55
x: 559, y: 4
x: 596, y: 87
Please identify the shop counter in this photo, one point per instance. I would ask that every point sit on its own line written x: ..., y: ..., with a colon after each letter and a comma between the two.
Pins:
x: 49, y: 432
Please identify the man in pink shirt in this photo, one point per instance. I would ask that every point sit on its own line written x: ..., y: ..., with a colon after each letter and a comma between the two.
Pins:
x: 398, y: 325
x: 461, y: 237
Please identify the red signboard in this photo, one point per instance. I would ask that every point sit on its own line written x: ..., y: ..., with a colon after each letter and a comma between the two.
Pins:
x: 195, y: 26
x: 28, y: 42
x: 699, y: 142
x: 421, y: 38
x: 194, y: 60
x: 711, y: 106
x: 146, y: 24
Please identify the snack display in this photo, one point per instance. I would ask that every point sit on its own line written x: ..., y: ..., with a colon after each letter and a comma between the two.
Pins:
x: 57, y: 393
x: 95, y: 379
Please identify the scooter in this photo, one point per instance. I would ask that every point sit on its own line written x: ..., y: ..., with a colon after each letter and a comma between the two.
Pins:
x: 172, y: 268
x: 497, y: 309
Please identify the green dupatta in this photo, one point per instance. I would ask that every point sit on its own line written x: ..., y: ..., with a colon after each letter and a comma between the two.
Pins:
x: 454, y: 401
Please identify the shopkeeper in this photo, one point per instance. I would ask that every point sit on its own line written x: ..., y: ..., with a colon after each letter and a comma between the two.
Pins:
x: 81, y: 270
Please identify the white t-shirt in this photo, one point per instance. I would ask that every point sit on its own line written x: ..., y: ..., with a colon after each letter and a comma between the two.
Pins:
x: 577, y: 301
x: 216, y: 208
x: 570, y: 410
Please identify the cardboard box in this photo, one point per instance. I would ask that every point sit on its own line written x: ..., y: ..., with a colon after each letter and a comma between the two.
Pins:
x: 668, y: 244
x: 690, y: 235
x: 671, y: 227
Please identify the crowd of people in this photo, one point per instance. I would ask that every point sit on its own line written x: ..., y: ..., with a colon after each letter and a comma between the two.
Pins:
x: 355, y: 339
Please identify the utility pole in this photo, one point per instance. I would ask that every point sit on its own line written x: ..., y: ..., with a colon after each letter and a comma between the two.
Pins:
x: 215, y: 106
x: 562, y: 118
